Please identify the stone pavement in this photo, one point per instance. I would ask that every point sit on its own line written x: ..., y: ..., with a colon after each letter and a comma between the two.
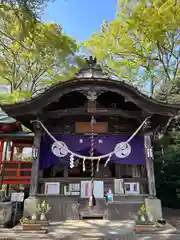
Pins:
x: 8, y: 234
x: 35, y: 236
x: 79, y: 230
x: 90, y: 230
x: 154, y: 236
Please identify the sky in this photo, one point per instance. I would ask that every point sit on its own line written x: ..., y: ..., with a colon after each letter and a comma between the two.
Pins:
x: 80, y: 18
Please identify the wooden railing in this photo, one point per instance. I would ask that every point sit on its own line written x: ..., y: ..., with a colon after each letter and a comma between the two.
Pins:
x: 15, y: 172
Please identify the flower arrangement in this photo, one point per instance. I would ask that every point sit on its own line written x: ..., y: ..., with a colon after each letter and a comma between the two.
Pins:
x: 29, y: 225
x: 144, y: 215
x: 43, y: 208
x: 24, y: 220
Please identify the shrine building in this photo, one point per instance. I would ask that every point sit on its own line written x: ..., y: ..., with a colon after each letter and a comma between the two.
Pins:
x: 91, y: 128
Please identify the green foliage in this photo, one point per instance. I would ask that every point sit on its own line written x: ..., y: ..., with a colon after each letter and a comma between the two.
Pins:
x: 32, y: 61
x: 33, y: 7
x: 142, y: 44
x: 24, y: 220
x: 167, y: 165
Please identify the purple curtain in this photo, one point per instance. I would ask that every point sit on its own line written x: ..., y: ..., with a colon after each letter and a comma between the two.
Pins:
x: 82, y: 145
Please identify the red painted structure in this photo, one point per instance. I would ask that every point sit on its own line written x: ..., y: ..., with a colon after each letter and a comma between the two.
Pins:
x: 13, y: 170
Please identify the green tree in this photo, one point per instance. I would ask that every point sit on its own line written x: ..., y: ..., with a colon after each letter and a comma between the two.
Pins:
x: 34, y: 61
x: 167, y: 163
x: 26, y: 12
x: 33, y: 7
x: 142, y: 44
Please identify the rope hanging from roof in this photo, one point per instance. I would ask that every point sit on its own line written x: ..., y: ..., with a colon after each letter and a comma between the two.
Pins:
x: 92, y: 146
x: 62, y: 150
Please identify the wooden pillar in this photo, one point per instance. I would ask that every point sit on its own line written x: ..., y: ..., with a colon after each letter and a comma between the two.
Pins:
x: 1, y: 150
x: 35, y: 161
x: 12, y: 152
x: 150, y: 165
x: 66, y: 166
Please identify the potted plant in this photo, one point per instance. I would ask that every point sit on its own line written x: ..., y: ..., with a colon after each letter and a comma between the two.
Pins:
x: 43, y: 209
x: 144, y: 219
x: 29, y: 225
x: 34, y: 217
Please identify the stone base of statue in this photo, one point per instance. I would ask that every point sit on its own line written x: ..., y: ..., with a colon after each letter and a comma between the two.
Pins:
x: 31, y: 226
x: 6, y: 209
x: 153, y: 205
x: 30, y: 206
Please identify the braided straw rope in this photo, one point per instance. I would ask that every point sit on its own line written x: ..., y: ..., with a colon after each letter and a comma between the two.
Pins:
x: 94, y: 157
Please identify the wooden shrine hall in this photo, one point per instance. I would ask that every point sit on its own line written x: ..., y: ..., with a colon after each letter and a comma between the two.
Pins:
x: 92, y: 129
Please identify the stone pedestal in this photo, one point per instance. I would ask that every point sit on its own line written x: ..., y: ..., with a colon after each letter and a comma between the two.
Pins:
x: 153, y: 205
x: 30, y: 206
x: 2, y: 195
x: 5, y: 213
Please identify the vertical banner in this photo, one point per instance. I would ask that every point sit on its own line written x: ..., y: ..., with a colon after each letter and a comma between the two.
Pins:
x: 85, y: 189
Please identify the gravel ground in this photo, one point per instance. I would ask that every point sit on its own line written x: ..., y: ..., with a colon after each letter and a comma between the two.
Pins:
x: 172, y: 216
x: 158, y: 237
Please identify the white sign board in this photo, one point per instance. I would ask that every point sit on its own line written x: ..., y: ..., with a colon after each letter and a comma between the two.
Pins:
x: 119, y: 186
x: 17, y: 197
x: 86, y: 189
x: 99, y: 189
x: 52, y: 188
x: 132, y: 188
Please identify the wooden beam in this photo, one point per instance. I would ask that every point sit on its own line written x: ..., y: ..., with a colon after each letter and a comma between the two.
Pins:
x: 16, y: 181
x: 96, y: 112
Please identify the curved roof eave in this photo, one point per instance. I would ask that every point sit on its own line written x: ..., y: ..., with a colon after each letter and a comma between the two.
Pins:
x: 55, y: 92
x: 5, y: 119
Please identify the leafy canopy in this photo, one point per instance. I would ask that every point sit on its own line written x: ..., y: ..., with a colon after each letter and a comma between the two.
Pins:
x: 142, y: 44
x: 167, y: 163
x: 33, y: 61
x: 33, y: 7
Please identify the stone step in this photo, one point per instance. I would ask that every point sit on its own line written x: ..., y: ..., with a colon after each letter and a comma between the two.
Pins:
x: 94, y: 230
x: 98, y: 211
x: 123, y: 211
x: 129, y: 198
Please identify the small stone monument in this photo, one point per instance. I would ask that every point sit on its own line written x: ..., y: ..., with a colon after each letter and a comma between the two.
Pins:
x: 2, y: 195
